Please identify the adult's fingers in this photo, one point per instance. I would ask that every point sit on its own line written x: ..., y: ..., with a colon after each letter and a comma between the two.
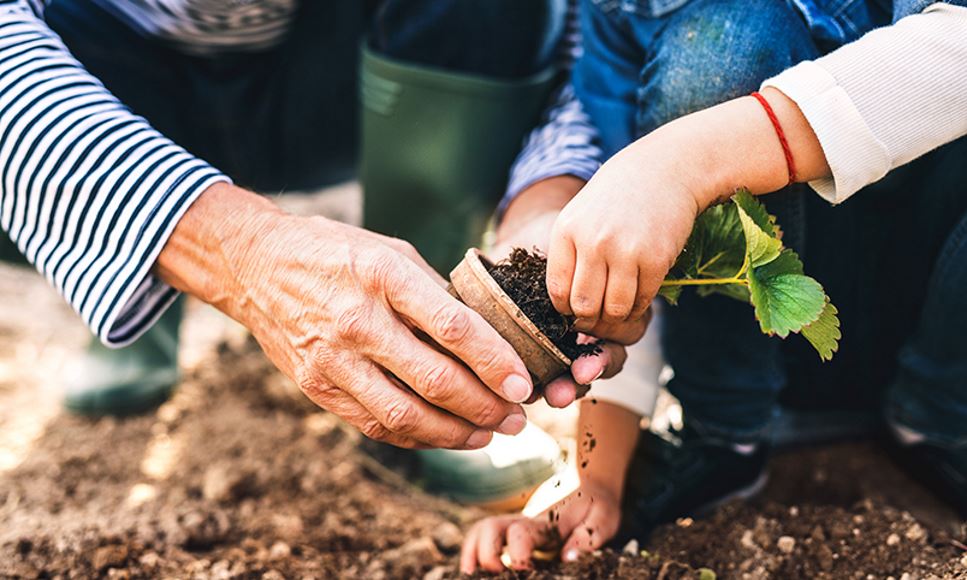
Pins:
x: 587, y: 289
x: 341, y: 404
x: 409, y: 250
x: 398, y: 411
x: 560, y: 270
x: 462, y: 332
x: 445, y: 383
x: 523, y: 536
x: 603, y: 365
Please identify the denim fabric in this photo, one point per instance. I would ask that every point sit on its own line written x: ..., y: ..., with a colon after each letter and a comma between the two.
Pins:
x: 893, y: 261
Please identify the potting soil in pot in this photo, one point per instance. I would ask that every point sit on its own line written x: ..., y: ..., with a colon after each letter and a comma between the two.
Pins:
x: 523, y: 276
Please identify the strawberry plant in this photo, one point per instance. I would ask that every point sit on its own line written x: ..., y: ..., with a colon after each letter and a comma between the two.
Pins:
x: 736, y: 249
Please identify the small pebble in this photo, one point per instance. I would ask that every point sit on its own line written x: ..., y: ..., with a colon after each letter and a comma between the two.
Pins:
x: 916, y: 533
x: 963, y: 561
x: 631, y: 548
x: 786, y: 544
x: 437, y: 573
x: 892, y: 539
x: 279, y: 551
x: 794, y: 511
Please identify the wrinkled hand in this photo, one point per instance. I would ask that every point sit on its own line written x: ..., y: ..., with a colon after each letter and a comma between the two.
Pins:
x: 528, y: 224
x: 343, y: 306
x: 357, y: 320
x: 585, y: 520
x: 615, y: 242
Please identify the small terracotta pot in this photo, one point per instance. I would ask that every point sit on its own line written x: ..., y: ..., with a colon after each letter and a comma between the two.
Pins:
x: 472, y: 284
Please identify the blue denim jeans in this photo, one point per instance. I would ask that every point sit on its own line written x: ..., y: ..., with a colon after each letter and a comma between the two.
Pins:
x: 893, y: 258
x: 287, y: 118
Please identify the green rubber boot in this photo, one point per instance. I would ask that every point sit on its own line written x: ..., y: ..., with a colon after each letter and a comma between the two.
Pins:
x: 501, y: 476
x: 437, y: 147
x: 132, y: 380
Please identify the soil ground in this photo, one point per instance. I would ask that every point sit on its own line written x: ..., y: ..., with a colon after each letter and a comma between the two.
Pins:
x: 237, y: 477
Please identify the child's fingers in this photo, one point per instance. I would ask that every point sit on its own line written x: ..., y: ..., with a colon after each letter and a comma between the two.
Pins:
x: 588, y: 369
x: 624, y: 333
x: 523, y: 536
x: 596, y: 529
x: 468, y: 553
x: 560, y: 392
x: 643, y: 298
x: 587, y: 289
x: 621, y: 292
x: 560, y: 271
x: 490, y: 543
x: 479, y: 545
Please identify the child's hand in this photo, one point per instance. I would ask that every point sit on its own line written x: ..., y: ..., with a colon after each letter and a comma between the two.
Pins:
x: 527, y: 223
x: 584, y: 521
x: 615, y: 242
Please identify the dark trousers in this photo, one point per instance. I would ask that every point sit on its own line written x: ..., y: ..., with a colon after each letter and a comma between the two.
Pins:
x: 893, y: 258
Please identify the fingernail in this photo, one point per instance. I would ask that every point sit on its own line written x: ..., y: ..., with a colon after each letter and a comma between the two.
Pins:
x: 597, y: 376
x: 513, y: 424
x: 516, y: 388
x: 571, y: 555
x: 478, y: 439
x: 583, y: 324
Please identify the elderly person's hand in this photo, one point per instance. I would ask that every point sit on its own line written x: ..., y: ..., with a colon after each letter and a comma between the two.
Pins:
x: 527, y: 223
x: 356, y: 319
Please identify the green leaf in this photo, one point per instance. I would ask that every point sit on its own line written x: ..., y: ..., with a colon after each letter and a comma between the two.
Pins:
x: 738, y: 292
x: 787, y: 262
x: 715, y: 248
x: 762, y: 245
x: 824, y: 333
x: 757, y: 212
x: 706, y: 574
x: 785, y: 303
x: 670, y: 293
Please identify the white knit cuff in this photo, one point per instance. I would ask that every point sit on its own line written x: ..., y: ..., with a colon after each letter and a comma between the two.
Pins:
x: 855, y: 156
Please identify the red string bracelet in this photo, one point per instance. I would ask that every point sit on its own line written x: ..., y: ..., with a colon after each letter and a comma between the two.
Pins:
x: 790, y: 163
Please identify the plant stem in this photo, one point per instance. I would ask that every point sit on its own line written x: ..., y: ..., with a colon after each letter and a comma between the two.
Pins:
x: 705, y: 282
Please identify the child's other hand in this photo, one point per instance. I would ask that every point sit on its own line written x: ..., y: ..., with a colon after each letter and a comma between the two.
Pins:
x: 615, y: 242
x: 584, y: 520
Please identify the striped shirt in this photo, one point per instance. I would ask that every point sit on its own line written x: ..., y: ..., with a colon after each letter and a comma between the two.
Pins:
x: 90, y: 192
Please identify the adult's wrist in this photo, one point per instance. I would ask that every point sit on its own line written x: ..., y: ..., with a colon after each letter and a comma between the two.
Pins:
x: 213, y: 243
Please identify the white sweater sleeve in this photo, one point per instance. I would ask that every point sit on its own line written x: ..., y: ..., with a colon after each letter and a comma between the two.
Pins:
x: 884, y: 100
x: 89, y: 192
x: 636, y: 387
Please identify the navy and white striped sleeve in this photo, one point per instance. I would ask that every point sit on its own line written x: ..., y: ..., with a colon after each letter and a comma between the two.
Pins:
x: 89, y: 192
x: 566, y: 142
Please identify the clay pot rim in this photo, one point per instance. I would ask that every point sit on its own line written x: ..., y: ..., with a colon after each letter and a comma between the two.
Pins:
x: 475, y: 260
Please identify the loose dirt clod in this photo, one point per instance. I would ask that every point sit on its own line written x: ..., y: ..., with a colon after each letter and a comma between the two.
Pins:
x: 523, y: 276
